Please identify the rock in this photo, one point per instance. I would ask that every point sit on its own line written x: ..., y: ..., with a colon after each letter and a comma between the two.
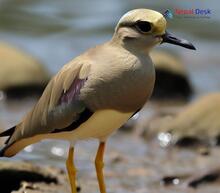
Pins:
x: 20, y: 73
x: 196, y: 124
x: 171, y: 77
x: 170, y: 180
x: 193, y: 180
x: 205, y: 178
x: 153, y: 114
x: 19, y: 177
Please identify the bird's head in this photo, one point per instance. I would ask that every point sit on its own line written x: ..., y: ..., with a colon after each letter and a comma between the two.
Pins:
x: 142, y: 29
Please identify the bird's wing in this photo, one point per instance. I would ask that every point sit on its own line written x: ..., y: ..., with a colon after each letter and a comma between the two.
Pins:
x: 59, y: 105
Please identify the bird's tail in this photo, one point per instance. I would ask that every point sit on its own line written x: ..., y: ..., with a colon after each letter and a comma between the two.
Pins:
x: 8, y: 133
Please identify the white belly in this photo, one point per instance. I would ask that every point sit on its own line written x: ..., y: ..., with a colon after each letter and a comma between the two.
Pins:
x: 100, y: 125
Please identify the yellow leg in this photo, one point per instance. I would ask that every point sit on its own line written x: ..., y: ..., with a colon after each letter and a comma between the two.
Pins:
x: 71, y: 170
x: 99, y: 167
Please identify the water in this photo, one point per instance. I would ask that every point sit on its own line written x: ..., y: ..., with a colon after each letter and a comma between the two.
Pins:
x: 56, y: 31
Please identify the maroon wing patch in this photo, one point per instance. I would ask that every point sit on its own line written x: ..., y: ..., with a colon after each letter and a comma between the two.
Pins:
x: 73, y: 92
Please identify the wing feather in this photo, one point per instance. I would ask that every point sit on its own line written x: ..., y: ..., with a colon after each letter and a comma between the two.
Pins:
x: 58, y: 105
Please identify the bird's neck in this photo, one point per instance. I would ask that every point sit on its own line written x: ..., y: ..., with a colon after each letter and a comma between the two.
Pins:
x: 118, y: 41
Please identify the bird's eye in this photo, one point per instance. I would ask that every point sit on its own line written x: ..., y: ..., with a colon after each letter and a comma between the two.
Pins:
x: 143, y: 26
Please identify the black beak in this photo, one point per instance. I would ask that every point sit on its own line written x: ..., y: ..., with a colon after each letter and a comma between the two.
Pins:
x: 169, y: 38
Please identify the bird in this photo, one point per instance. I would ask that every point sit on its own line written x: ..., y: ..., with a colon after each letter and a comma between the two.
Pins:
x: 97, y: 92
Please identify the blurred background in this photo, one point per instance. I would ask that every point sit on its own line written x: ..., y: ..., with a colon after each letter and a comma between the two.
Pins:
x: 37, y: 37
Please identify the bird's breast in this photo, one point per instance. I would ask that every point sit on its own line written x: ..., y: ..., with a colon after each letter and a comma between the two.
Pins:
x: 120, y: 86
